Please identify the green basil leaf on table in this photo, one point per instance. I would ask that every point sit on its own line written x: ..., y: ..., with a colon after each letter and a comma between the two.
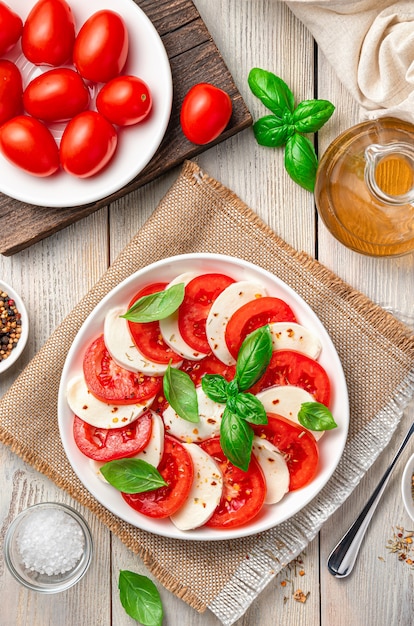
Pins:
x: 271, y: 90
x: 156, y: 306
x: 254, y: 356
x: 181, y: 394
x: 310, y: 115
x: 272, y: 131
x: 301, y: 161
x: 316, y: 416
x: 236, y: 439
x: 215, y: 387
x: 132, y: 475
x: 248, y: 407
x: 140, y: 598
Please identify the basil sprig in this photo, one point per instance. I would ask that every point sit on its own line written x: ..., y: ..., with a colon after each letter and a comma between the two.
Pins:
x: 287, y: 123
x: 140, y: 598
x: 180, y: 393
x: 156, y: 306
x: 316, y: 416
x: 132, y: 475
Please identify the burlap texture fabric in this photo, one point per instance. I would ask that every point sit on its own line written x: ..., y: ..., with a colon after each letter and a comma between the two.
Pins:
x: 198, y: 214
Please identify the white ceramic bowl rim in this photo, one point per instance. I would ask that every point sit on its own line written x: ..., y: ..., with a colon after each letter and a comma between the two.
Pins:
x: 17, y: 351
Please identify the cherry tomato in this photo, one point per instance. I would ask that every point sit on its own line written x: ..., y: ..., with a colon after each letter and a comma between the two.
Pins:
x: 28, y: 143
x: 125, y: 100
x: 102, y: 444
x: 200, y: 294
x: 243, y: 492
x: 101, y: 47
x: 49, y: 33
x: 177, y: 470
x: 298, y: 446
x: 11, y: 89
x: 205, y: 113
x: 287, y: 367
x: 56, y: 95
x: 11, y: 27
x: 147, y: 336
x: 88, y: 144
x: 113, y: 384
x: 252, y: 315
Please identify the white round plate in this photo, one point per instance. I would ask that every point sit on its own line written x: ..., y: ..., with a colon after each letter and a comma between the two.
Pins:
x: 17, y: 351
x: 330, y: 445
x: 137, y: 144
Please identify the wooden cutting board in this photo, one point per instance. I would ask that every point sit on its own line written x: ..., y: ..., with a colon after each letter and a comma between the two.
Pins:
x: 194, y: 58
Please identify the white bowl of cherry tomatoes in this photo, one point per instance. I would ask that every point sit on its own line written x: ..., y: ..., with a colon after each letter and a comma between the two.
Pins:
x: 85, y: 98
x: 183, y: 400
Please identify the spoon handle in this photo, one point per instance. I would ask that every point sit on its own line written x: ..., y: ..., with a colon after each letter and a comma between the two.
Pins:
x: 342, y: 558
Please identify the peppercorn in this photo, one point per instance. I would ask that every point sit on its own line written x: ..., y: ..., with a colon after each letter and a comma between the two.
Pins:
x: 10, y: 325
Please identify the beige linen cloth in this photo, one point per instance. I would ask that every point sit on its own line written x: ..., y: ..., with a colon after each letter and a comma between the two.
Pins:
x: 198, y: 214
x: 370, y: 44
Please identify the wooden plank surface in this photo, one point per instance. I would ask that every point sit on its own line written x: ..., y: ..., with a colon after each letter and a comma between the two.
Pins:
x: 194, y: 57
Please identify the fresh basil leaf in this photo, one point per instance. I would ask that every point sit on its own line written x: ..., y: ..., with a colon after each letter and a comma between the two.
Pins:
x: 236, y: 439
x: 140, y: 598
x: 301, y: 161
x: 248, y: 407
x: 156, y: 306
x: 316, y: 416
x: 180, y: 392
x: 215, y: 387
x: 272, y: 131
x: 132, y: 475
x: 271, y: 90
x: 254, y: 356
x: 310, y: 115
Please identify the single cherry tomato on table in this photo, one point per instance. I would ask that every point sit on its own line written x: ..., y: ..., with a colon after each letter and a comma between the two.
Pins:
x: 101, y: 47
x: 177, y: 470
x: 11, y: 90
x: 125, y: 100
x: 88, y: 144
x: 205, y: 113
x: 243, y: 492
x: 56, y: 96
x: 28, y: 143
x: 298, y: 446
x: 103, y: 444
x: 113, y: 384
x: 11, y: 26
x: 49, y: 33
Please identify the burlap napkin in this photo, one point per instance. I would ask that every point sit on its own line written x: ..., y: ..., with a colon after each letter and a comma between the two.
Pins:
x: 199, y: 215
x: 370, y: 44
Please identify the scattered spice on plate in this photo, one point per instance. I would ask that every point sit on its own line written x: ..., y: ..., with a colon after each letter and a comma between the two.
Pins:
x: 402, y: 544
x: 10, y: 325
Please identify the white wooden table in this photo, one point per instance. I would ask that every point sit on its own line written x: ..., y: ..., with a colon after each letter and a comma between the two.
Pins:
x: 55, y: 273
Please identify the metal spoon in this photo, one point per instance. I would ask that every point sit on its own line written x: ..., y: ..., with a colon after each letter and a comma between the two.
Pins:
x: 342, y: 558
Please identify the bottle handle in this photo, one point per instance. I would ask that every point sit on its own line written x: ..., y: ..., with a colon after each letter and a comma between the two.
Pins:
x: 374, y: 154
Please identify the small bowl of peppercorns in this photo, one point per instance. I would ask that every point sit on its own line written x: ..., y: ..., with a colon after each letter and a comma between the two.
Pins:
x: 14, y: 326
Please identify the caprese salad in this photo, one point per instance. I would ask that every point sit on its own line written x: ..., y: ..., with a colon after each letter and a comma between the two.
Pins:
x: 202, y: 401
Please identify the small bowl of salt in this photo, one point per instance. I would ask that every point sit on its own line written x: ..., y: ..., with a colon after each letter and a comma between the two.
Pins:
x: 48, y: 547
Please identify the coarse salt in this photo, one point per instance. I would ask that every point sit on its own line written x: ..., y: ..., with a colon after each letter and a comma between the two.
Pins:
x: 50, y: 542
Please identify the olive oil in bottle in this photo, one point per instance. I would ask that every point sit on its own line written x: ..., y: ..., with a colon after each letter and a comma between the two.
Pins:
x: 364, y: 189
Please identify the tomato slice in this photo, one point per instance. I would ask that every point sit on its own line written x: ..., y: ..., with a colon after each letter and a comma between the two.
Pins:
x: 177, y: 469
x: 147, y: 336
x: 287, y: 367
x: 298, y: 446
x: 243, y: 492
x: 252, y: 315
x: 113, y: 384
x: 200, y: 294
x: 209, y: 365
x: 102, y: 444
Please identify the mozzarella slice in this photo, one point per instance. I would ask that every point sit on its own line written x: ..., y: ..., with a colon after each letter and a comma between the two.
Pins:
x: 122, y: 349
x: 97, y: 413
x: 292, y: 336
x: 152, y: 453
x: 286, y: 400
x: 274, y: 468
x: 227, y: 303
x: 169, y: 326
x: 205, y: 492
x: 210, y: 414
